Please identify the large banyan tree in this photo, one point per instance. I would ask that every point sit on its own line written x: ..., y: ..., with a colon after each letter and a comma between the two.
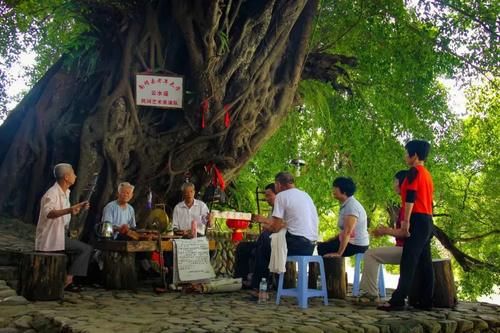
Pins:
x: 241, y: 62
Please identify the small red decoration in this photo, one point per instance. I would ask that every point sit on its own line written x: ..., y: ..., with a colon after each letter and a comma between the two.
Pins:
x: 227, y: 118
x: 204, y: 109
x: 238, y: 227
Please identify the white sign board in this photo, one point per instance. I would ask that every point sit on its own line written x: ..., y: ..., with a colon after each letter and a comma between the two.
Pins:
x: 160, y: 91
x: 192, y: 260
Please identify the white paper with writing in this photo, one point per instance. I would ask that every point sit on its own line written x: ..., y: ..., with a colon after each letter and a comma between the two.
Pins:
x: 192, y: 260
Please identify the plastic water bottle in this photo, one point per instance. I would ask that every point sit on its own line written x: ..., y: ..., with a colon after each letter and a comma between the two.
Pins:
x: 263, y: 291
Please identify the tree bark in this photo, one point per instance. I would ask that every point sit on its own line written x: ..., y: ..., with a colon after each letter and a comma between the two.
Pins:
x: 42, y: 276
x: 246, y: 55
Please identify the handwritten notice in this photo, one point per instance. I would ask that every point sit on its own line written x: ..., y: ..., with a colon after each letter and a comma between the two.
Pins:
x: 192, y: 260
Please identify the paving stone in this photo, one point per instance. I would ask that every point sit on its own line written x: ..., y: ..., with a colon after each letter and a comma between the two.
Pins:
x: 448, y: 326
x: 429, y: 325
x: 9, y: 330
x: 23, y: 322
x: 308, y: 329
x: 479, y: 324
x: 14, y: 300
x: 7, y: 292
x: 370, y: 328
x: 353, y: 329
x: 464, y: 325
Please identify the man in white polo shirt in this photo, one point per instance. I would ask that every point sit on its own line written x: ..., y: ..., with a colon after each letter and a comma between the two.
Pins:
x: 295, y: 211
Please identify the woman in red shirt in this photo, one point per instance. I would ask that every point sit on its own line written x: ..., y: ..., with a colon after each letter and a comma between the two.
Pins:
x: 416, y: 194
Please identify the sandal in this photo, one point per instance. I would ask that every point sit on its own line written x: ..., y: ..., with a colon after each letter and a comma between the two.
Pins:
x: 73, y: 288
x: 390, y: 307
x: 367, y: 299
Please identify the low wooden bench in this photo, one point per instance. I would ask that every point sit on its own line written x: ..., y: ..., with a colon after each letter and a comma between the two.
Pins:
x: 119, y: 269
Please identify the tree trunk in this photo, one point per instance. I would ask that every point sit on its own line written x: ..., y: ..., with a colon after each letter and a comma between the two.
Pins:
x: 119, y: 271
x: 336, y: 281
x: 247, y: 56
x: 42, y: 276
x: 445, y: 294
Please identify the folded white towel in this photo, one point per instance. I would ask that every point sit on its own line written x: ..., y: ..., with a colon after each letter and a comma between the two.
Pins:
x: 278, y: 252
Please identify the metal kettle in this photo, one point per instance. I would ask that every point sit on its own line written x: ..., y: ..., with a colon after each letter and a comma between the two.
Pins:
x: 104, y: 230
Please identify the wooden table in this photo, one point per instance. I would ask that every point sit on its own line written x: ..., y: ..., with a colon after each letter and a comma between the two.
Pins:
x: 119, y: 271
x: 140, y: 246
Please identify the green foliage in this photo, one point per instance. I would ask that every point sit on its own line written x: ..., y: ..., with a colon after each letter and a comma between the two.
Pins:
x: 396, y: 96
x: 48, y: 28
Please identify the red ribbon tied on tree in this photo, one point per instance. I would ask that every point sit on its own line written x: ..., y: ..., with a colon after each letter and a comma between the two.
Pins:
x: 217, y: 179
x: 204, y: 109
x: 227, y: 118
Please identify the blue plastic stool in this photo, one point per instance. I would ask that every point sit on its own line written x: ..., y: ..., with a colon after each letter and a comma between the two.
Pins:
x: 357, y: 270
x: 302, y: 292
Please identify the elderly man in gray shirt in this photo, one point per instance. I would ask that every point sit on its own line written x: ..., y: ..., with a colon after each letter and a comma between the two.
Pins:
x: 353, y: 237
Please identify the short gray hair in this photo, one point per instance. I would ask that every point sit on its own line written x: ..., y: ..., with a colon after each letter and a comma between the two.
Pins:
x: 125, y: 184
x: 61, y: 169
x: 187, y: 185
x: 284, y: 178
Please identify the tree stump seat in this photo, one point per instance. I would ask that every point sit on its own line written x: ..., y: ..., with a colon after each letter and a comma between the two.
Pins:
x: 42, y: 276
x: 445, y: 294
x: 119, y: 270
x: 336, y: 282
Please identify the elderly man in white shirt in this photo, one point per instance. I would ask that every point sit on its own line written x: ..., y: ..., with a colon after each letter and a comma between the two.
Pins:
x: 294, y: 210
x: 189, y: 210
x: 53, y: 223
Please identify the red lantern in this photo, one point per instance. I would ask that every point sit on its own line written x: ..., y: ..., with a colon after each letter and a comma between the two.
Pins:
x: 238, y: 227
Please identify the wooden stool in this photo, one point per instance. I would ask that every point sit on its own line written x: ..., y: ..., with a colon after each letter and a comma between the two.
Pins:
x: 42, y: 276
x: 336, y: 281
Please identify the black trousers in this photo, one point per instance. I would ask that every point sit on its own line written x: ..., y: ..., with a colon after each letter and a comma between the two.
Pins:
x: 333, y: 245
x: 297, y: 246
x: 416, y: 259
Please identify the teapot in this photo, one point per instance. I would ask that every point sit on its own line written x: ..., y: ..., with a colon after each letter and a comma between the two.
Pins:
x: 104, y: 230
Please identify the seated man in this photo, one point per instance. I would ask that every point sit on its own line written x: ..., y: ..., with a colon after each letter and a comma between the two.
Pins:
x: 189, y: 210
x: 53, y: 223
x: 295, y: 211
x: 352, y: 222
x: 119, y: 212
x: 246, y: 252
x: 382, y: 255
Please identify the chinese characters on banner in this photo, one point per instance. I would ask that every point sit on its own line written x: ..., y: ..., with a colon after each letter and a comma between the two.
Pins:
x: 159, y: 91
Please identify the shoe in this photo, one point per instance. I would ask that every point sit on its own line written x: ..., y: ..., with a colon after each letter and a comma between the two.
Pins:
x: 73, y: 288
x: 390, y: 307
x: 367, y: 299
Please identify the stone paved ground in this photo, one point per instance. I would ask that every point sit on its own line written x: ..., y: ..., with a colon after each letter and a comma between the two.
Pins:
x: 98, y: 310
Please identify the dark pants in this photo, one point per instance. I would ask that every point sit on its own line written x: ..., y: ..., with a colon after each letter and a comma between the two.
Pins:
x: 333, y: 245
x: 244, y: 259
x: 416, y: 259
x: 80, y: 253
x: 297, y: 246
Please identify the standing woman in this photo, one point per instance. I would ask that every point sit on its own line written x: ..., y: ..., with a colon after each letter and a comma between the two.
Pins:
x: 416, y: 194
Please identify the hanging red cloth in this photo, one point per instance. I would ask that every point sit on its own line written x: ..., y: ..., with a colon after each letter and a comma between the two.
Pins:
x: 227, y: 118
x: 217, y: 179
x: 204, y: 109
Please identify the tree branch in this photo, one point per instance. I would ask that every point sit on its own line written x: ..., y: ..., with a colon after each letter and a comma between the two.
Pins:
x: 467, y: 262
x: 327, y: 68
x: 468, y: 239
